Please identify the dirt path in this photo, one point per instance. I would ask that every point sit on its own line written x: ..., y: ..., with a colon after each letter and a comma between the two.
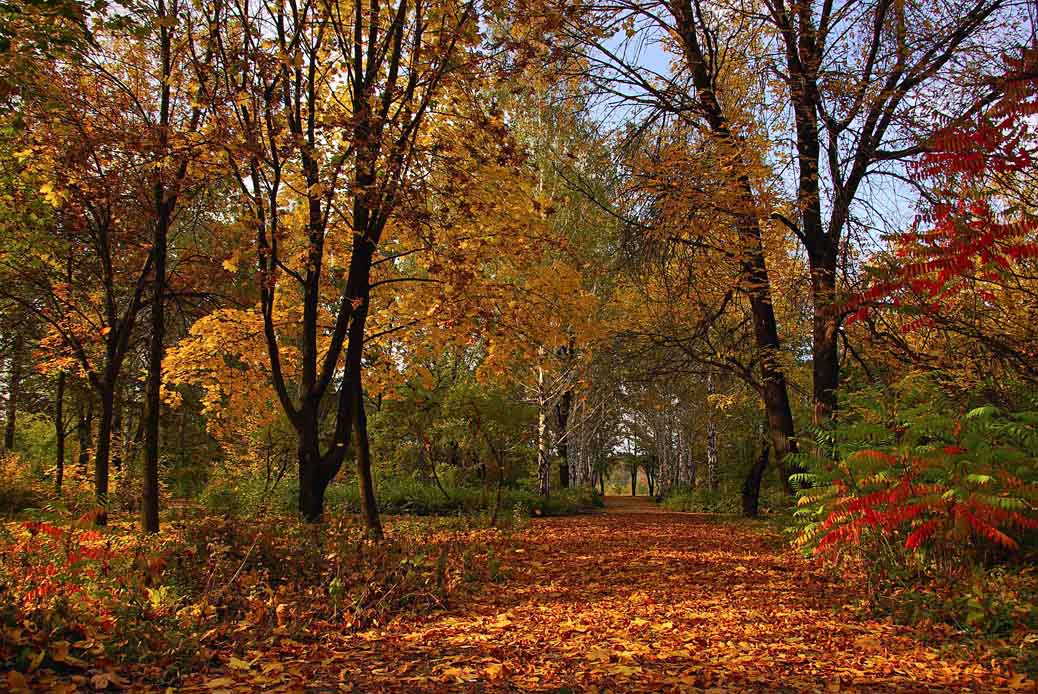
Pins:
x: 631, y: 504
x: 631, y: 600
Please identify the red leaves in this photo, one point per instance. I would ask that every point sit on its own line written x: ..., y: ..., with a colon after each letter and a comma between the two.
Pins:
x: 957, y: 238
x: 906, y: 504
x: 921, y: 533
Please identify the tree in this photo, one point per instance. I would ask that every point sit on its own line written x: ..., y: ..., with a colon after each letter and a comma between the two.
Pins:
x: 949, y: 294
x: 857, y: 78
x: 331, y: 111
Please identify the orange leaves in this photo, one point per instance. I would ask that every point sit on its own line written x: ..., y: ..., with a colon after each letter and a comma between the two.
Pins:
x: 645, y: 602
x: 648, y: 602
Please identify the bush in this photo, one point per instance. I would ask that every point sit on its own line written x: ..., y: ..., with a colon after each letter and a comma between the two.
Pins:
x: 20, y: 490
x: 396, y: 496
x: 69, y: 594
x: 727, y: 499
x: 913, y: 481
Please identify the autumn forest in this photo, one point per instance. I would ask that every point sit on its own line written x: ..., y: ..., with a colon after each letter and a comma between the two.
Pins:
x: 519, y: 346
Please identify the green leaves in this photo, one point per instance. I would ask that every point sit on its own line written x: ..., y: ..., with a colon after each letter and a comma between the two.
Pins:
x: 907, y: 474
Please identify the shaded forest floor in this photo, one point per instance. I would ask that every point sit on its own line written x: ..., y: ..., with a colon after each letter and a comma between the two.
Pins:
x: 633, y: 599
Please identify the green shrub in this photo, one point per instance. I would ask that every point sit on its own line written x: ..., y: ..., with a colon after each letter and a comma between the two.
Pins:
x: 20, y: 490
x: 911, y: 480
x: 396, y: 496
x: 727, y: 499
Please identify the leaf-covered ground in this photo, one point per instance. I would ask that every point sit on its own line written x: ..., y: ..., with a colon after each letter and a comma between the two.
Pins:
x: 630, y: 600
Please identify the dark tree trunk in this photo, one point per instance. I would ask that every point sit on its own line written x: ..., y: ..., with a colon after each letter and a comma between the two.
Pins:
x: 562, y: 412
x: 156, y: 349
x: 59, y: 433
x: 118, y: 438
x: 634, y: 481
x: 164, y: 204
x: 313, y: 481
x: 751, y: 485
x: 824, y: 332
x: 362, y: 451
x: 101, y: 454
x: 773, y: 387
x: 755, y: 271
x: 14, y: 387
x: 84, y: 424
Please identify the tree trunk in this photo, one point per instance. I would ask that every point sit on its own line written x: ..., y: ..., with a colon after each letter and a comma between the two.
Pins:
x: 712, y: 473
x: 150, y: 500
x: 13, y: 391
x: 59, y: 433
x: 163, y: 214
x: 101, y: 454
x: 754, y: 266
x: 84, y: 423
x: 312, y: 481
x: 634, y: 480
x: 118, y: 438
x: 543, y: 469
x: 751, y: 485
x: 562, y: 412
x: 773, y: 387
x: 824, y: 331
x: 362, y: 451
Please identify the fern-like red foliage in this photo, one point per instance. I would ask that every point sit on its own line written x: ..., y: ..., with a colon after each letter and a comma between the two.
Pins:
x: 969, y: 232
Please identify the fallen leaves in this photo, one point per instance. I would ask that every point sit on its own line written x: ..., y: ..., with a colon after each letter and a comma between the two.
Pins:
x: 651, y: 602
x: 647, y: 602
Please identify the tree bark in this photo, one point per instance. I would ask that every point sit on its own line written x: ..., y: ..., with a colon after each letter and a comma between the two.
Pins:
x: 312, y: 481
x: 84, y: 424
x: 14, y: 387
x: 751, y: 485
x: 562, y: 412
x: 101, y: 454
x: 713, y: 477
x: 59, y: 433
x: 118, y: 438
x: 362, y: 450
x: 543, y: 469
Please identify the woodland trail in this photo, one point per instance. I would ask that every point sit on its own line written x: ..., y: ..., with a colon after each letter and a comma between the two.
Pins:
x: 634, y: 599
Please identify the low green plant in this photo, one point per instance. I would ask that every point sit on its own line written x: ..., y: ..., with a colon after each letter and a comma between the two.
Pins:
x: 396, y: 495
x: 912, y: 480
x: 725, y: 499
